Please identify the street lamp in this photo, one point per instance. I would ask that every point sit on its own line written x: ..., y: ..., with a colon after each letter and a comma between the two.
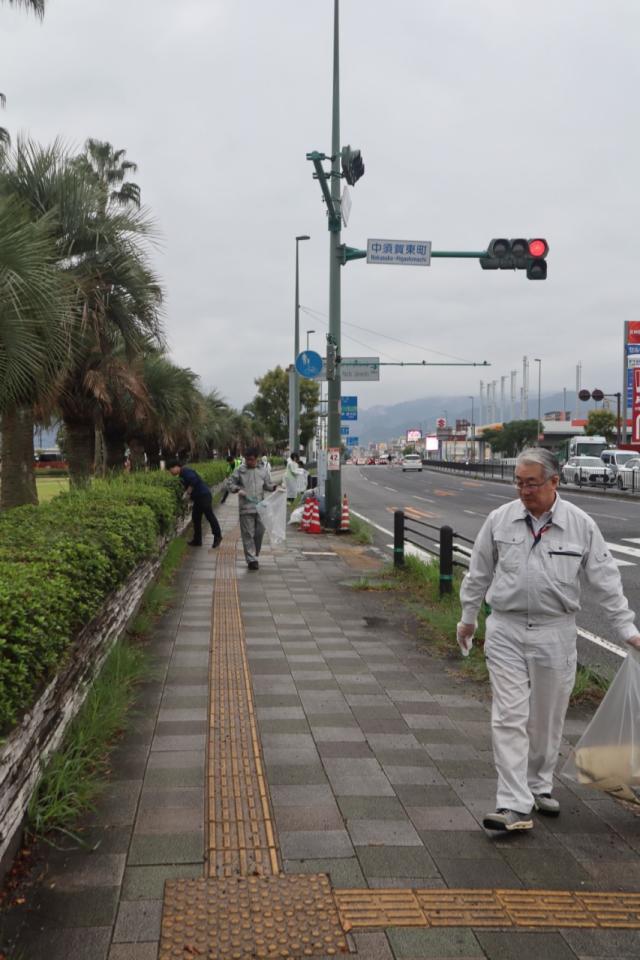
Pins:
x: 294, y: 416
x: 473, y: 429
x: 308, y: 332
x: 539, y: 362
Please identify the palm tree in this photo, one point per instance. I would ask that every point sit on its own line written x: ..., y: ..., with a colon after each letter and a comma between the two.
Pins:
x: 117, y: 296
x: 34, y: 338
x: 110, y: 168
x: 34, y: 6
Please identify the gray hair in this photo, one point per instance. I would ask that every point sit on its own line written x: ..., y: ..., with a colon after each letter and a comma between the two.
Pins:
x: 541, y: 457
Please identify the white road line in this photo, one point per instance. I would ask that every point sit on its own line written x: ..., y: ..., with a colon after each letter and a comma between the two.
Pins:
x: 624, y: 563
x: 425, y: 499
x: 361, y: 516
x: 474, y: 513
x: 594, y: 638
x: 620, y: 548
x: 393, y: 490
x: 631, y: 539
x: 607, y: 516
x: 374, y: 482
x: 499, y: 496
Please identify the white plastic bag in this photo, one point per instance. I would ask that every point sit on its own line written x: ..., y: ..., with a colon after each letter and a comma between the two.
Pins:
x: 607, y: 756
x: 297, y: 515
x: 273, y: 513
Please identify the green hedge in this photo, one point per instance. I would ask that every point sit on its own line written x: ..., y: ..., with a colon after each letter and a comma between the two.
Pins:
x: 59, y: 561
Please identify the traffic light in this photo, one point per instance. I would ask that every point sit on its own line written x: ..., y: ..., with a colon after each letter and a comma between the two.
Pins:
x: 352, y: 165
x: 519, y: 254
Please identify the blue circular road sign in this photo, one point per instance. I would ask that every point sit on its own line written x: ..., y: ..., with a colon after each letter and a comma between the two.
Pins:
x: 309, y: 363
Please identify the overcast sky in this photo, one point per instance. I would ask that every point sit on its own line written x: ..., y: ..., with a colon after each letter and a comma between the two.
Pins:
x: 476, y: 119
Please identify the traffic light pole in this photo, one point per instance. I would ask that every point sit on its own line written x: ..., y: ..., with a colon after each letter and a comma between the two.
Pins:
x: 334, y: 478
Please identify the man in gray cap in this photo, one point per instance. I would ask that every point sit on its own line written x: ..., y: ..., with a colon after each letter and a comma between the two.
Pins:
x: 529, y: 559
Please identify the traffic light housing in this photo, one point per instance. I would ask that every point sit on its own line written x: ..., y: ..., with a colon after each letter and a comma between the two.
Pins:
x: 518, y: 254
x: 352, y: 165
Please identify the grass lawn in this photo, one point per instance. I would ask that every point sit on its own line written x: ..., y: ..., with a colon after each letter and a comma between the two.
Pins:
x: 48, y: 487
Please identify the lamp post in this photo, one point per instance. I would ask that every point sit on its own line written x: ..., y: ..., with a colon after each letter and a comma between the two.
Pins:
x: 539, y: 362
x: 473, y: 429
x: 294, y: 418
x: 308, y: 332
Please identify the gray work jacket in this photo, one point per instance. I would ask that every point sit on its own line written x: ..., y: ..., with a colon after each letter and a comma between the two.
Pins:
x: 542, y: 581
x: 254, y: 482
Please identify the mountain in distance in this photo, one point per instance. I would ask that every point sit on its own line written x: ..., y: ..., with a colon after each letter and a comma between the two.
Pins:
x: 385, y: 423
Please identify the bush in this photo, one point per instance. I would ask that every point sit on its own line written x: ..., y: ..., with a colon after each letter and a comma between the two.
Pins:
x: 59, y: 562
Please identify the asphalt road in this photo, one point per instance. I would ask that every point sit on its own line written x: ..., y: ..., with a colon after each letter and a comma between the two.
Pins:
x: 463, y: 503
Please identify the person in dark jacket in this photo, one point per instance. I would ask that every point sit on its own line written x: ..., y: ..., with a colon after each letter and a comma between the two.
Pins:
x: 200, y: 495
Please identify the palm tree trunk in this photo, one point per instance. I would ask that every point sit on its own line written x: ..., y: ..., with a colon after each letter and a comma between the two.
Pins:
x: 152, y: 449
x: 80, y: 442
x: 136, y: 453
x: 17, y: 482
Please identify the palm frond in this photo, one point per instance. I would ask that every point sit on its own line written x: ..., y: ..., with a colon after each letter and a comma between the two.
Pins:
x: 34, y: 6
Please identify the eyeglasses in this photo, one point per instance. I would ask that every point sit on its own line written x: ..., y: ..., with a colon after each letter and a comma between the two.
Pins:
x: 529, y: 484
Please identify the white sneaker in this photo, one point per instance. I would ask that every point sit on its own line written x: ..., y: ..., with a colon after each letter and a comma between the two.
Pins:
x: 507, y: 820
x: 546, y: 804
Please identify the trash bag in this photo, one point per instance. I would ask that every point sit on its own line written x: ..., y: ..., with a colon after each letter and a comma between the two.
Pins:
x: 607, y: 756
x: 273, y: 513
x: 296, y: 515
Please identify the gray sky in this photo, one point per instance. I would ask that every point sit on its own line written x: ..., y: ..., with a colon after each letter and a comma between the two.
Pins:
x: 475, y: 120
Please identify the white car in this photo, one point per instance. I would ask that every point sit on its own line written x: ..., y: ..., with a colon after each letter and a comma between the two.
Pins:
x: 587, y: 470
x: 628, y: 476
x: 411, y: 462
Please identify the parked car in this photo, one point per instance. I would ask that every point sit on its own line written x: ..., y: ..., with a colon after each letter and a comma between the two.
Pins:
x: 411, y: 462
x: 628, y: 476
x: 617, y: 458
x: 587, y: 470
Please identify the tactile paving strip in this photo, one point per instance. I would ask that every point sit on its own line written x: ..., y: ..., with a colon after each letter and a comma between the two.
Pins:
x: 241, y: 832
x: 552, y: 909
x: 250, y: 917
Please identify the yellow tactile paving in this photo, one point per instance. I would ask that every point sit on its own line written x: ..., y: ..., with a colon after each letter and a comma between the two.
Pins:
x: 244, y: 918
x: 241, y: 836
x: 552, y: 909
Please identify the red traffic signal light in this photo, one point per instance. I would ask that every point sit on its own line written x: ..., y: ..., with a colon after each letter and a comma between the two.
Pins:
x: 538, y: 248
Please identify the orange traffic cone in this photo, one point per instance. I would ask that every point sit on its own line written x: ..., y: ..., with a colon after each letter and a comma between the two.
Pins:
x: 314, y: 522
x: 344, y: 517
x: 306, y: 516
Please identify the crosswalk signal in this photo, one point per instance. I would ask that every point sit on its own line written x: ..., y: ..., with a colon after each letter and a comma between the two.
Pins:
x: 352, y: 165
x: 518, y: 254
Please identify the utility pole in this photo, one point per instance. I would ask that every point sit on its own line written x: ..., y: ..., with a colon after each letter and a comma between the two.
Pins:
x: 539, y: 362
x: 514, y: 374
x: 525, y: 388
x: 482, y: 409
x: 578, y: 386
x: 503, y: 380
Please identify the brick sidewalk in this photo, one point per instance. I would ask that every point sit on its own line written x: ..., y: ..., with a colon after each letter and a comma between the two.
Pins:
x: 378, y: 765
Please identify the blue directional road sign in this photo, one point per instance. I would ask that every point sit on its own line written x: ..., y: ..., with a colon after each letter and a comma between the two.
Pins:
x: 309, y: 364
x: 344, y: 431
x: 349, y: 408
x: 353, y: 441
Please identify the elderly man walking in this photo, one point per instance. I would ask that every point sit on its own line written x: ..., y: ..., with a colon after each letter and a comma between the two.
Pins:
x: 250, y: 481
x: 529, y: 559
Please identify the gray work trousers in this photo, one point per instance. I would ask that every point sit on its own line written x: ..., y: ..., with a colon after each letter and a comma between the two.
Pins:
x: 252, y: 532
x: 532, y: 666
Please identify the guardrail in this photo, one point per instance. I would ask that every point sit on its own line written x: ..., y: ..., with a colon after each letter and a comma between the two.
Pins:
x: 449, y: 546
x: 497, y: 470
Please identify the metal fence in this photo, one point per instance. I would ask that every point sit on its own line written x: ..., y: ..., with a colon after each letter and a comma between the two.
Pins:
x: 451, y: 548
x: 498, y: 470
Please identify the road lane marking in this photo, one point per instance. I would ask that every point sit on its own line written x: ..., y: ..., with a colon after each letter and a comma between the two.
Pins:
x: 620, y: 548
x: 631, y: 539
x: 474, y: 513
x: 445, y: 493
x: 425, y: 499
x: 393, y: 489
x: 601, y: 642
x: 419, y: 513
x: 471, y: 483
x: 499, y: 496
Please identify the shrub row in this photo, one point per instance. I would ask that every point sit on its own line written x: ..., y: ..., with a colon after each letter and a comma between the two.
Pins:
x: 59, y: 561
